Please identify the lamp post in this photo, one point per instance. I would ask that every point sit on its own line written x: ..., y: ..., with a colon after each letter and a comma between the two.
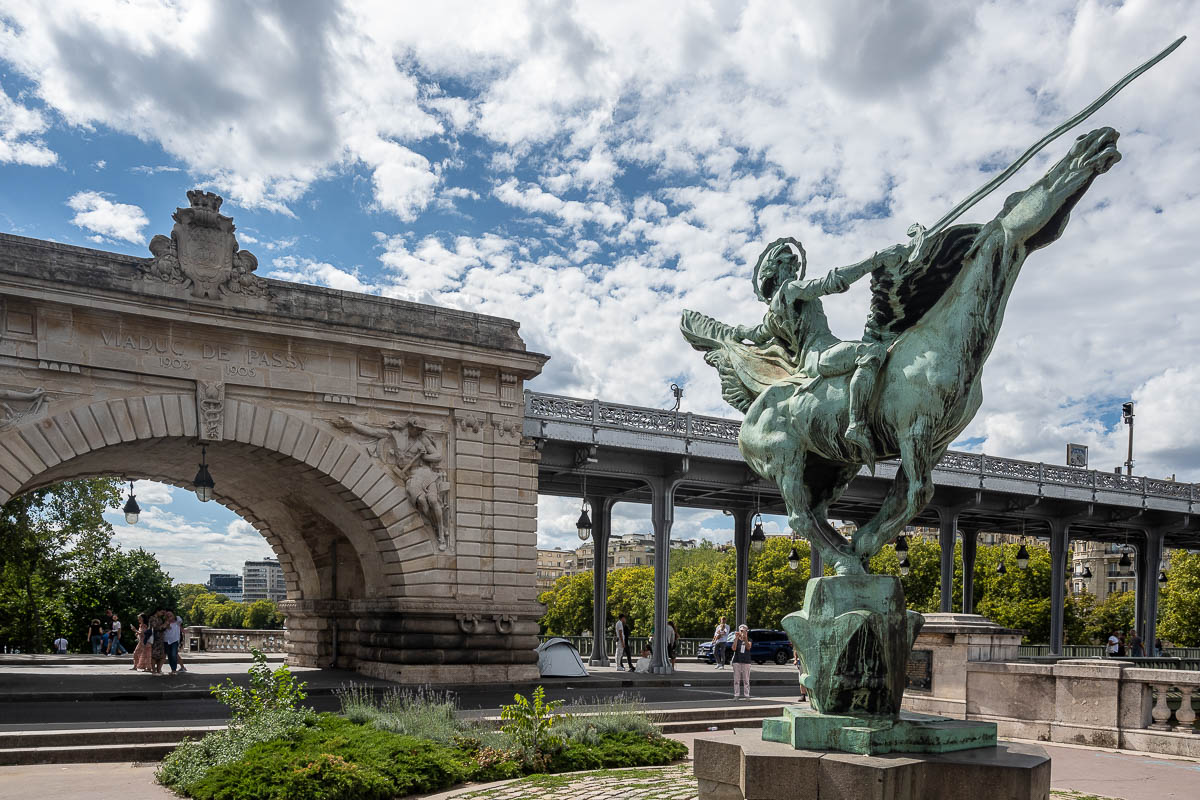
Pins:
x: 757, y: 537
x: 583, y: 525
x: 1127, y: 416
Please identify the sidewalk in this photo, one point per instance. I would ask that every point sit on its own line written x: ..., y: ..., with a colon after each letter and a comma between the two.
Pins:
x: 1111, y: 774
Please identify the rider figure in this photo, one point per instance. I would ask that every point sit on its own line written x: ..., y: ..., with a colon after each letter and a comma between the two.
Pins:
x: 796, y: 319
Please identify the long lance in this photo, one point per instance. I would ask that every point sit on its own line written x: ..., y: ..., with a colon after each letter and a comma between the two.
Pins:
x: 919, y: 233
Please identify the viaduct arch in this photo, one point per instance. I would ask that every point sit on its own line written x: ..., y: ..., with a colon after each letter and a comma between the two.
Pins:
x: 376, y: 444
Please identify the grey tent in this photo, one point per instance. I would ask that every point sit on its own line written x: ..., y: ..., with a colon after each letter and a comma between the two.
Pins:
x: 558, y: 658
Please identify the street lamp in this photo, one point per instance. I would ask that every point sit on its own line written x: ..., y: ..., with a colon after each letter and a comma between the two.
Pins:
x: 905, y: 566
x: 1127, y: 416
x: 131, y: 507
x: 901, y: 544
x: 203, y: 482
x: 1022, y: 556
x: 793, y: 559
x: 1124, y: 560
x: 1001, y: 569
x: 757, y: 537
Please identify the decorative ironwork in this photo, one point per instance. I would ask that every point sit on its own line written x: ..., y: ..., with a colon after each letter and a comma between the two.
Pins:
x: 693, y: 426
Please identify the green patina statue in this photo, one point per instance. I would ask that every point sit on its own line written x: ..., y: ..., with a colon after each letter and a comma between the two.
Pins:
x: 818, y: 409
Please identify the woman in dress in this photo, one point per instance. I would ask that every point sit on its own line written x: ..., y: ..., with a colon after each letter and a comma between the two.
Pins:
x: 141, y: 653
x: 158, y: 648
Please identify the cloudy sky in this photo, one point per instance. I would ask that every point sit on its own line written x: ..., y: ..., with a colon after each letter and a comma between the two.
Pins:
x: 591, y: 169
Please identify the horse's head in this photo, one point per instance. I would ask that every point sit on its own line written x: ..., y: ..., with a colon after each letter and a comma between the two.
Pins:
x: 1092, y: 154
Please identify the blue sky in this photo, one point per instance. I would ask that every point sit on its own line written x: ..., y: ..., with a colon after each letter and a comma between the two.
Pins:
x: 591, y: 169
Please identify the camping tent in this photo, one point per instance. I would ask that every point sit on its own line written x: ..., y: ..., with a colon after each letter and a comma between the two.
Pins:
x: 558, y: 658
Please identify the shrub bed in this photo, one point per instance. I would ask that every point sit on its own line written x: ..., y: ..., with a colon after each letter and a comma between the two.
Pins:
x: 409, y: 742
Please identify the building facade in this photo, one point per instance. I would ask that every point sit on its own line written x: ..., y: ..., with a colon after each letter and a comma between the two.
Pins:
x: 226, y: 583
x: 1097, y: 569
x: 551, y: 565
x: 263, y: 580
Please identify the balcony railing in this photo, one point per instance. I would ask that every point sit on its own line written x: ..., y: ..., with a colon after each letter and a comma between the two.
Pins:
x: 232, y: 640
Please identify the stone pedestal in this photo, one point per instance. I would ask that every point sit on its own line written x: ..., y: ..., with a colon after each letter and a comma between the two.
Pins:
x: 947, y: 642
x: 741, y: 766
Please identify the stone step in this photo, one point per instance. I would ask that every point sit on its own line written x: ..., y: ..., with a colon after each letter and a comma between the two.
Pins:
x: 89, y: 745
x: 85, y: 754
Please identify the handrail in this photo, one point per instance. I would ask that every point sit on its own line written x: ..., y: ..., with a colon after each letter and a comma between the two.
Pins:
x: 688, y: 426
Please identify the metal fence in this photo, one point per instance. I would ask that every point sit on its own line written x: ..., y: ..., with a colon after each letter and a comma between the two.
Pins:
x: 1178, y: 658
x: 684, y: 648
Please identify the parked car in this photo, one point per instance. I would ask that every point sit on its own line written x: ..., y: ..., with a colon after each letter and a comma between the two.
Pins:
x: 766, y: 645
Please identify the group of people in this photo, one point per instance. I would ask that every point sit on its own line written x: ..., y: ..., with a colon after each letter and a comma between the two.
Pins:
x: 104, y: 634
x: 1131, y: 645
x: 158, y: 636
x: 625, y: 651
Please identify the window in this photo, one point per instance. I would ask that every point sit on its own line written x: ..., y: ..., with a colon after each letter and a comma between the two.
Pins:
x: 1124, y: 586
x: 1112, y: 586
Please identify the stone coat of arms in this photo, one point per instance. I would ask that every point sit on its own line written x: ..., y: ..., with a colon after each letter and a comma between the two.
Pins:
x: 202, y: 253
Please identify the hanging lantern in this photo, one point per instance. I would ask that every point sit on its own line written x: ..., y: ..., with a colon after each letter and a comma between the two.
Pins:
x: 203, y: 483
x: 1087, y: 572
x: 131, y: 507
x: 584, y: 524
x: 1022, y: 556
x: 1001, y: 569
x: 793, y: 559
x: 757, y: 537
x: 1162, y: 578
x: 1124, y: 560
x: 901, y: 544
x: 905, y: 566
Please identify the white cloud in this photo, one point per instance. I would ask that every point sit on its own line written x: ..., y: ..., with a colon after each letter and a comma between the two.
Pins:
x: 95, y: 212
x: 303, y: 270
x: 21, y: 128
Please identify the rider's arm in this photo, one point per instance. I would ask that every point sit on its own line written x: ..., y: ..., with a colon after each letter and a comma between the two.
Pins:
x: 758, y: 334
x: 839, y: 280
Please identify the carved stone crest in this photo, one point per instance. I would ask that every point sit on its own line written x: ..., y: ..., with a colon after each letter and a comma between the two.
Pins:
x: 17, y: 404
x: 202, y: 253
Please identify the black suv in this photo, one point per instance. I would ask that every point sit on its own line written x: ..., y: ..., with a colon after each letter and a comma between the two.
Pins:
x: 766, y: 645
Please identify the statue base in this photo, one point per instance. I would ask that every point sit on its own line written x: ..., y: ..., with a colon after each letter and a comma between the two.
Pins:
x: 740, y: 766
x: 806, y: 729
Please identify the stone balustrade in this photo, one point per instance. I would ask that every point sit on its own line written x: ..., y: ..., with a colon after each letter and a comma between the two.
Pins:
x: 232, y: 640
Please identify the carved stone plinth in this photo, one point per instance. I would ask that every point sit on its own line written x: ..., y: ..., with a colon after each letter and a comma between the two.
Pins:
x: 853, y: 636
x: 741, y: 766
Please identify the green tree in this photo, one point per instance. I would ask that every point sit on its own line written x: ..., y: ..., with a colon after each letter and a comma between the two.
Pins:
x: 1179, y: 621
x: 1113, y: 613
x: 49, y: 538
x: 262, y: 614
x: 631, y: 592
x: 189, y: 592
x: 568, y: 605
x: 775, y: 589
x: 230, y: 615
x: 129, y: 583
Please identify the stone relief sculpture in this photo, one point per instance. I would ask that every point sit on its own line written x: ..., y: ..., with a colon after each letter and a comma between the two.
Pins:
x: 210, y: 407
x: 414, y: 457
x: 17, y: 404
x: 817, y: 409
x: 202, y: 253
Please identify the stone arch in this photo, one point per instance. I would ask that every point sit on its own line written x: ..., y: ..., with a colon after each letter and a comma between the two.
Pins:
x: 322, y: 503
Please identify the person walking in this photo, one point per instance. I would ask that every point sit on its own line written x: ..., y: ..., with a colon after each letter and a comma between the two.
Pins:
x: 141, y: 651
x: 115, y: 648
x: 60, y: 645
x: 1114, y: 642
x: 622, y: 634
x: 672, y: 639
x: 95, y: 636
x: 719, y: 636
x: 105, y: 628
x: 1158, y: 648
x: 741, y: 662
x: 1136, y: 649
x: 171, y: 637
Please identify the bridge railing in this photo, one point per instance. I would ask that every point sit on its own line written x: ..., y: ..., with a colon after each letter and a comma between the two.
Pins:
x: 232, y: 640
x: 680, y: 425
x: 684, y: 648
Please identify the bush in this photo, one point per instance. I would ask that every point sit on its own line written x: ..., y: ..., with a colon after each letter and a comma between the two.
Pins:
x: 587, y: 722
x: 192, y: 760
x: 269, y: 691
x: 336, y: 760
x: 424, y: 713
x: 529, y: 721
x: 611, y: 750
